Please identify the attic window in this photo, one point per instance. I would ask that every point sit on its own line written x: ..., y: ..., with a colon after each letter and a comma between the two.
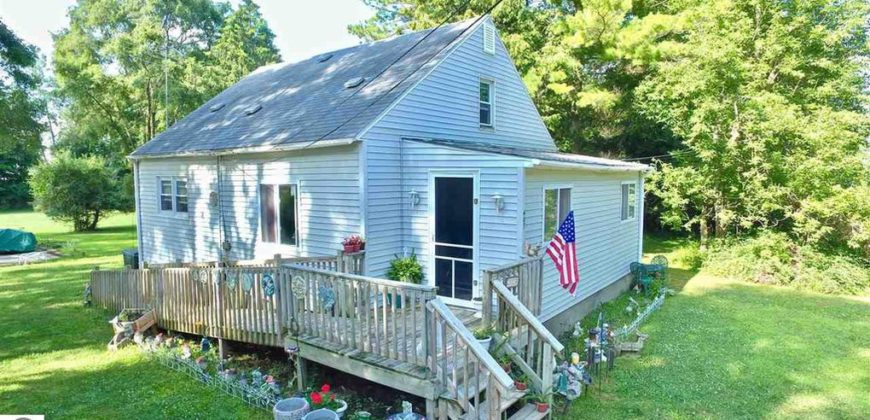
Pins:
x: 216, y: 107
x: 324, y: 57
x: 253, y: 110
x: 488, y: 39
x: 352, y: 83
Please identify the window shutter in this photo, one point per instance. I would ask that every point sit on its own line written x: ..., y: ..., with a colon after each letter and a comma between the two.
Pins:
x: 488, y: 39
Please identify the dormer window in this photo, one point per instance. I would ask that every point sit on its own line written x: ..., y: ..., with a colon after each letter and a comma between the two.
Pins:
x: 486, y: 103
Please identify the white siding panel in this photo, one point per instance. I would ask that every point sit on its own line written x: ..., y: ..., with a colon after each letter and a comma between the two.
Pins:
x: 606, y: 245
x: 329, y: 185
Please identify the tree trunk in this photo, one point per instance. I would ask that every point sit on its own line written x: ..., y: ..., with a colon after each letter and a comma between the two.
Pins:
x: 93, y: 225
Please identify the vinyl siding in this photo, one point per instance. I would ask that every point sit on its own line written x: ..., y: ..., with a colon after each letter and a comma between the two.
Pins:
x: 498, y: 236
x: 444, y: 105
x: 606, y: 245
x: 328, y: 204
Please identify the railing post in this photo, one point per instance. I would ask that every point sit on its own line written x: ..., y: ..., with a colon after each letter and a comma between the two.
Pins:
x: 487, y: 299
x: 339, y: 262
x: 547, y: 372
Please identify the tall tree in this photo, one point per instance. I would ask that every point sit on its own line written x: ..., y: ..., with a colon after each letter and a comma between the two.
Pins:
x: 21, y: 113
x: 768, y: 98
x: 126, y: 70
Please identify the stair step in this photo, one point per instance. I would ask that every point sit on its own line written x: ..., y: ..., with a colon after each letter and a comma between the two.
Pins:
x: 506, y: 401
x: 529, y: 412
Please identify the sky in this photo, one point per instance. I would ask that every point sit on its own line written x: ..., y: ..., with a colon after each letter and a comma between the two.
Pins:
x: 302, y: 28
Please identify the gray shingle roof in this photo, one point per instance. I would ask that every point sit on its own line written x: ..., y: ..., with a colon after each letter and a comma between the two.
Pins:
x: 546, y: 156
x: 307, y: 100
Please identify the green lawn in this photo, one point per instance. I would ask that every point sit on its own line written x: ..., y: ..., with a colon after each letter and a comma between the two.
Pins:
x: 724, y: 349
x: 718, y: 349
x: 53, y: 357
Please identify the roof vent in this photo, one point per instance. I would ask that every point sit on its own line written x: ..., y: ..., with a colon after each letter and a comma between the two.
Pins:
x: 488, y: 39
x: 253, y: 110
x: 352, y: 83
x: 323, y: 57
x: 216, y: 107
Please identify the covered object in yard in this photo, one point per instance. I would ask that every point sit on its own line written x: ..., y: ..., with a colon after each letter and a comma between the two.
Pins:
x: 15, y: 241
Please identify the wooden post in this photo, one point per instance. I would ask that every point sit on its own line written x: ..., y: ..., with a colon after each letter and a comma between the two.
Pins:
x: 487, y: 299
x: 547, y: 372
x: 340, y: 266
x: 493, y: 399
x: 300, y: 373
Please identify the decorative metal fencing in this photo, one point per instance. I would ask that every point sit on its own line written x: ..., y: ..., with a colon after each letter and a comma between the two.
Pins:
x: 627, y: 330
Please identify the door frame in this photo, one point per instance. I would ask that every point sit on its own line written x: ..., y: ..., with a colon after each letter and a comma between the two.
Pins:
x: 475, y: 266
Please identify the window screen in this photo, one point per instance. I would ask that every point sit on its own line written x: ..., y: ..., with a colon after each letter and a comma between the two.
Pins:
x: 267, y: 212
x: 181, y: 196
x: 485, y: 103
x: 629, y: 201
x: 165, y: 194
x: 287, y: 204
x: 557, y: 205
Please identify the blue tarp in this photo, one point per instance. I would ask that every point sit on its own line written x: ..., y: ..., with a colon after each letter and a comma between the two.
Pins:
x: 16, y: 241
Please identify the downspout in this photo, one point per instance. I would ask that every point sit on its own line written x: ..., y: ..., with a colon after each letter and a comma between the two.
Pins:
x: 220, y: 206
x: 136, y: 201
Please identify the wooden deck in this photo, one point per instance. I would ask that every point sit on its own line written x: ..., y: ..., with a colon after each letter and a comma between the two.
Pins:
x: 397, y: 334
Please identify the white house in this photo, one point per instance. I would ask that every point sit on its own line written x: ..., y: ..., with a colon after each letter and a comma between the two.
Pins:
x: 426, y: 143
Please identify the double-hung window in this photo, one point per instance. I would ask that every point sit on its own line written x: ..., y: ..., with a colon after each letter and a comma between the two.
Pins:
x: 557, y: 204
x: 486, y: 101
x: 279, y: 215
x: 629, y: 200
x: 172, y: 194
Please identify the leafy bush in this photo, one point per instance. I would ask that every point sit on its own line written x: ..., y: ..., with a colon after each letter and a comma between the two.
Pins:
x: 405, y: 269
x: 77, y: 190
x: 773, y: 258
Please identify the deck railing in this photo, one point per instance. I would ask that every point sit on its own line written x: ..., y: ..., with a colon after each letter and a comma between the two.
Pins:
x: 463, y: 367
x: 378, y: 316
x: 516, y: 290
x: 342, y: 262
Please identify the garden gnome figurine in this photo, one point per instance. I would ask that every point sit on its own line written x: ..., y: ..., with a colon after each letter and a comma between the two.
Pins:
x: 578, y: 330
x: 206, y: 345
x: 185, y: 350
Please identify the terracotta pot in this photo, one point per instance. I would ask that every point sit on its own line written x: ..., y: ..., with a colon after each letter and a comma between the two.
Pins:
x: 506, y: 367
x: 356, y: 247
x: 542, y: 407
x: 348, y: 248
x: 521, y: 386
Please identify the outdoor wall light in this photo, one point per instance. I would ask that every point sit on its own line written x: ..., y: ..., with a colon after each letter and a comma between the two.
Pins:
x: 415, y: 197
x: 499, y: 202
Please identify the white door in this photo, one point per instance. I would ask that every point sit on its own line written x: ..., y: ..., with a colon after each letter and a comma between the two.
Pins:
x: 453, y: 228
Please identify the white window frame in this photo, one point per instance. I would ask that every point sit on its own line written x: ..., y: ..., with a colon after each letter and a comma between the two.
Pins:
x: 546, y: 236
x: 276, y: 197
x: 628, y: 204
x: 491, y: 103
x: 173, y: 195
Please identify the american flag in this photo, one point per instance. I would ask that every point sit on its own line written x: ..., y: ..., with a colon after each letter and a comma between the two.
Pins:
x: 564, y: 254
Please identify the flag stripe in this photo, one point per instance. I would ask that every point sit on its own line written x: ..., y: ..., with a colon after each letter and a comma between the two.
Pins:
x: 563, y: 252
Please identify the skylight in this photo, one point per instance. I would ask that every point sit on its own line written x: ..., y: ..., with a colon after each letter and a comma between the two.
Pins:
x: 352, y: 83
x: 216, y: 107
x: 253, y: 109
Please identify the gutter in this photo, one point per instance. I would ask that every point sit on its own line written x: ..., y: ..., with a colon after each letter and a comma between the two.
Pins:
x: 549, y: 164
x: 314, y: 144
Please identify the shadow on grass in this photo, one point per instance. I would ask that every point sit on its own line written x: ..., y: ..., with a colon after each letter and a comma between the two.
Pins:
x: 732, y: 350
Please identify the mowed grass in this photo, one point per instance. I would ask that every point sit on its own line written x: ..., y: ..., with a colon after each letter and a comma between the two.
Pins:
x: 725, y: 349
x: 718, y: 349
x: 53, y: 357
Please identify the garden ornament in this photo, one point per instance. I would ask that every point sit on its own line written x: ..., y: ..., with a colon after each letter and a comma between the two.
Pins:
x: 578, y: 330
x: 205, y: 344
x: 268, y: 285
x: 185, y: 351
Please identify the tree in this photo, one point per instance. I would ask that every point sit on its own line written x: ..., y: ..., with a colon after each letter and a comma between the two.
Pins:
x: 21, y: 111
x: 768, y: 101
x: 74, y: 189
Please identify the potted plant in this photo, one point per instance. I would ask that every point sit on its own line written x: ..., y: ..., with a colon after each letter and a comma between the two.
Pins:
x: 325, y: 399
x: 540, y: 399
x: 521, y: 382
x: 406, y: 270
x: 505, y: 362
x: 483, y: 336
x: 352, y: 244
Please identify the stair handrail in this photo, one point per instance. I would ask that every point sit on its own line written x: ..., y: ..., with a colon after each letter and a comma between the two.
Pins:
x: 467, y: 337
x: 528, y: 317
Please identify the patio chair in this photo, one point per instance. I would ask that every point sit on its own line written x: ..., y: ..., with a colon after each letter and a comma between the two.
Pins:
x: 641, y: 276
x: 662, y: 261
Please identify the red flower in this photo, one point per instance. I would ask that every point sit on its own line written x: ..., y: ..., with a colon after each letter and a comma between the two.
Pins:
x: 324, y: 388
x: 316, y: 398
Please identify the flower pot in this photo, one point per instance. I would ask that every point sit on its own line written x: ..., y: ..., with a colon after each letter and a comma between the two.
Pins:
x: 290, y: 409
x: 348, y: 248
x: 341, y: 409
x: 321, y: 414
x: 542, y: 406
x: 521, y: 386
x: 485, y: 342
x: 356, y: 247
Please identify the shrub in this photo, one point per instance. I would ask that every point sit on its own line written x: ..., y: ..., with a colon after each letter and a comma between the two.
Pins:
x: 405, y: 269
x: 77, y: 190
x: 773, y: 258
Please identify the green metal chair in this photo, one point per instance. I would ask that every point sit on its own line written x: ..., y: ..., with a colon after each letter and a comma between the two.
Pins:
x: 662, y: 267
x: 641, y: 275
